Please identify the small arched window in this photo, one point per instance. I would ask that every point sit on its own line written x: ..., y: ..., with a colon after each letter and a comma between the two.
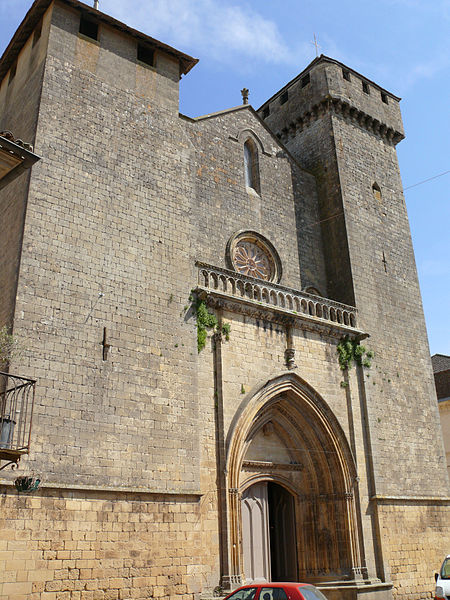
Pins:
x: 251, y: 167
x: 376, y: 191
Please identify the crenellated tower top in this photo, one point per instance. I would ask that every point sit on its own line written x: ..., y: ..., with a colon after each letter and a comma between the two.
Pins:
x: 327, y: 85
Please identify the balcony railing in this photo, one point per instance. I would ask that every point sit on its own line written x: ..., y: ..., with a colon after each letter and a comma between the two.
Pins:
x: 235, y: 289
x: 16, y: 412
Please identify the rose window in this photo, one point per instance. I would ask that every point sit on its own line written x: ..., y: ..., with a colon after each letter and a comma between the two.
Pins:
x: 251, y: 260
x: 253, y: 255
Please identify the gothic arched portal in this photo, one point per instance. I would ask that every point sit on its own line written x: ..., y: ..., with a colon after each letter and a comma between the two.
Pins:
x: 291, y: 479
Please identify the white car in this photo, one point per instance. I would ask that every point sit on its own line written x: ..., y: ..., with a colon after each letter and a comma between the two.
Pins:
x: 442, y: 591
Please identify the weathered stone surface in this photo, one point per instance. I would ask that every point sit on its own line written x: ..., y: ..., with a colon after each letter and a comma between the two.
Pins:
x: 145, y: 446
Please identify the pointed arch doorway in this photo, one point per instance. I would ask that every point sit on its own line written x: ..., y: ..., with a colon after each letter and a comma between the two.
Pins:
x: 268, y: 533
x: 291, y: 478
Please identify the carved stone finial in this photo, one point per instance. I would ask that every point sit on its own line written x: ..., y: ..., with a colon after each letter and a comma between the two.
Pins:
x: 244, y: 93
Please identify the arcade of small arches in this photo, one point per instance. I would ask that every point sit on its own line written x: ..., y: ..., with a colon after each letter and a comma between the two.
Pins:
x: 266, y: 293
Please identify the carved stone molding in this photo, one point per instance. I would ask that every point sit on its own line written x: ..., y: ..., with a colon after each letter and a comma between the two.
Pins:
x: 346, y: 111
x: 313, y: 498
x: 259, y: 465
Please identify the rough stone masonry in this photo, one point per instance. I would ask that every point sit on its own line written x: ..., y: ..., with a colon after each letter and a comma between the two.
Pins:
x: 169, y: 472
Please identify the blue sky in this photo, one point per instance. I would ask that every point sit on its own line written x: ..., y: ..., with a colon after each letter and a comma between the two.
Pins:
x: 403, y: 45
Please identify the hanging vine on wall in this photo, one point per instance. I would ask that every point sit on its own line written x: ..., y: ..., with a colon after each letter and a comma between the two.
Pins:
x: 208, y: 320
x: 351, y: 351
x: 10, y: 347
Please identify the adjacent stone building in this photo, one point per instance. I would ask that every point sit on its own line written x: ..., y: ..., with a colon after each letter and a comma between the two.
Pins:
x: 187, y: 290
x: 441, y: 369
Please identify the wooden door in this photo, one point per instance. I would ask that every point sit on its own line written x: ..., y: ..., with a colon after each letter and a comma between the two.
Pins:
x: 255, y: 533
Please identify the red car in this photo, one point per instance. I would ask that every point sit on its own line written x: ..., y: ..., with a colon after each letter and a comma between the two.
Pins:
x: 276, y: 591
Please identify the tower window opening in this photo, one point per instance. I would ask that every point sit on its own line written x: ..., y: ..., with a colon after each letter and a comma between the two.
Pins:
x: 37, y: 33
x: 284, y: 97
x: 266, y: 112
x: 346, y: 74
x: 376, y: 191
x: 305, y: 80
x: 145, y: 55
x: 384, y: 98
x: 88, y: 28
x: 365, y: 87
x: 251, y: 167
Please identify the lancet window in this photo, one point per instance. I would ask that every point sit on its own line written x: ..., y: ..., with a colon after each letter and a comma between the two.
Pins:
x: 251, y: 167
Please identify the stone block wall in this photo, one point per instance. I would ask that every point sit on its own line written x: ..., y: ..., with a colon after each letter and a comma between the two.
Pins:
x: 81, y: 545
x: 254, y: 355
x: 106, y: 260
x: 127, y: 428
x: 415, y: 538
x: 388, y: 299
x: 350, y: 155
x: 314, y: 148
x: 282, y: 211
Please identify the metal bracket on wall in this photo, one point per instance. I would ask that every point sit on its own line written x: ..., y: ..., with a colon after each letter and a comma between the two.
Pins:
x: 14, y: 464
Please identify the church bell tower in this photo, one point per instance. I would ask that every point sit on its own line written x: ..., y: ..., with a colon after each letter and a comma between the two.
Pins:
x: 344, y: 129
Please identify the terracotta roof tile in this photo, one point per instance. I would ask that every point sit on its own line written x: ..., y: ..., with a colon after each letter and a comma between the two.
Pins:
x: 9, y: 136
x: 440, y: 362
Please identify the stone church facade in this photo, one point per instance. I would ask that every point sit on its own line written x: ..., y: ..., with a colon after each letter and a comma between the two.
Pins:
x: 181, y: 287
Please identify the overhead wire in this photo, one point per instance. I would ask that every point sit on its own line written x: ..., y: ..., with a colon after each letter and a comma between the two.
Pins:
x: 403, y: 190
x: 426, y: 180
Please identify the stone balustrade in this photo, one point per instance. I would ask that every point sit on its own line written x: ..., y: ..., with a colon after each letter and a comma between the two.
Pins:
x: 282, y: 301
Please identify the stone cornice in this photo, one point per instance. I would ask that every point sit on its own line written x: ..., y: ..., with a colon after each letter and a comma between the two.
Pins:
x: 133, y: 492
x: 345, y: 110
x: 381, y: 499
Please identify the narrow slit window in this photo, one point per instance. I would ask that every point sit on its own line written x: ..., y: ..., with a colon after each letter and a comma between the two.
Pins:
x: 266, y: 112
x: 251, y: 167
x: 346, y: 74
x: 145, y: 55
x: 365, y: 87
x: 376, y: 191
x: 384, y: 98
x: 89, y: 28
x: 284, y: 97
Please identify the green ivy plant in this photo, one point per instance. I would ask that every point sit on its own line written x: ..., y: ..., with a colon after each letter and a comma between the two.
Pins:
x: 226, y: 328
x: 9, y: 346
x: 351, y: 351
x: 208, y: 320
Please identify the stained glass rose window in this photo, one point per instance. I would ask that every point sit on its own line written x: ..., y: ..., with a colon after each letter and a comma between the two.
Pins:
x: 251, y: 254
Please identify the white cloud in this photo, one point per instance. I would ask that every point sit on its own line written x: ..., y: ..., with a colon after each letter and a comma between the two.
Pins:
x: 427, y: 69
x: 221, y: 30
